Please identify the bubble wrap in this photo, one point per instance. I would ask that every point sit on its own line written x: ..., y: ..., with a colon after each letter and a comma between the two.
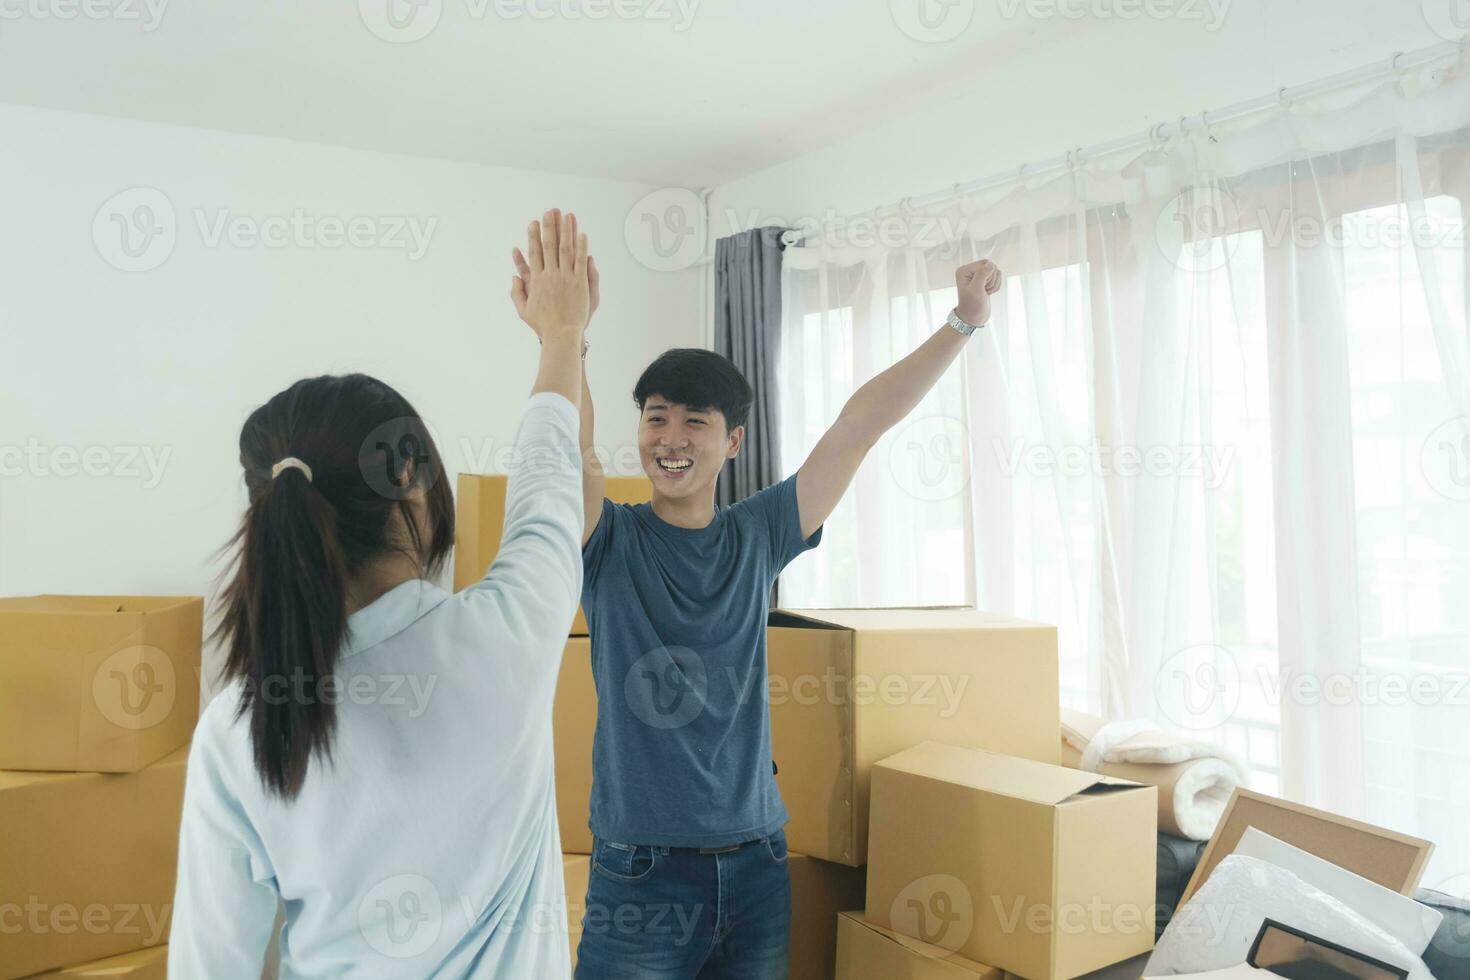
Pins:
x: 1216, y: 927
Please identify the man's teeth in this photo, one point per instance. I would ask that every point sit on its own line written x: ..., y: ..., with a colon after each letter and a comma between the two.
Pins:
x: 677, y: 465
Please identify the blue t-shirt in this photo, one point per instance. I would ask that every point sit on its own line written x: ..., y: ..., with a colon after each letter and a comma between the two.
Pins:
x: 682, y: 751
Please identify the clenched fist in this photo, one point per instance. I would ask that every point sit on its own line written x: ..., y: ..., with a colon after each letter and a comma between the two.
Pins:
x: 976, y: 283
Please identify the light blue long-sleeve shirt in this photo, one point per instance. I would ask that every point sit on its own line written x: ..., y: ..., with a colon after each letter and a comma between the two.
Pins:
x: 428, y: 846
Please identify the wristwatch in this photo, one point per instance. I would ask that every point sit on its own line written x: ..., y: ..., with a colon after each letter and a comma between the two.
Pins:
x: 962, y: 326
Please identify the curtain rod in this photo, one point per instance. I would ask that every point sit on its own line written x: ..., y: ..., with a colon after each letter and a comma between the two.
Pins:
x: 1398, y: 65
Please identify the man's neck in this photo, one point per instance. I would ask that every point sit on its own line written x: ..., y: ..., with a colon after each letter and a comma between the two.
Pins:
x: 692, y: 512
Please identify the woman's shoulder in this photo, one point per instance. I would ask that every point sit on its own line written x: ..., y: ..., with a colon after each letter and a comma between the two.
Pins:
x: 220, y: 727
x: 224, y: 705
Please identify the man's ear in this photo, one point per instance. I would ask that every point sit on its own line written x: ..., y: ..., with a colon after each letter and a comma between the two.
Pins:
x: 737, y: 437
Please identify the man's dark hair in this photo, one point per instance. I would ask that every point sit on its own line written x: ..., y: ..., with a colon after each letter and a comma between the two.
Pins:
x: 697, y: 379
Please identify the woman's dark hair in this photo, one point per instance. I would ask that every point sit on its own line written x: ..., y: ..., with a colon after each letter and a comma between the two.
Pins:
x: 697, y: 378
x: 302, y: 541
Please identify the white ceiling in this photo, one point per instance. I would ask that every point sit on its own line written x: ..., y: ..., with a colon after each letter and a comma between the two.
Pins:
x: 660, y: 97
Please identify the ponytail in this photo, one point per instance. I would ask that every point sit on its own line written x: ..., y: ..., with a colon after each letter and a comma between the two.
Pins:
x: 306, y: 532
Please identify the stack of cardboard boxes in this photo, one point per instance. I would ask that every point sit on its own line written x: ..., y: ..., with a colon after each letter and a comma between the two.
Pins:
x: 98, y: 698
x: 932, y: 833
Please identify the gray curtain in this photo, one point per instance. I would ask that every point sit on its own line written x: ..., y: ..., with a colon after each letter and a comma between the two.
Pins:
x: 747, y: 331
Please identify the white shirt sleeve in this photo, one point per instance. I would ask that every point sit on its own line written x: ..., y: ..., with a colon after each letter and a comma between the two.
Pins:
x: 530, y: 592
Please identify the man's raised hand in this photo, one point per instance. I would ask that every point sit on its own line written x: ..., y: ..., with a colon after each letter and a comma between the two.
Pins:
x: 976, y: 283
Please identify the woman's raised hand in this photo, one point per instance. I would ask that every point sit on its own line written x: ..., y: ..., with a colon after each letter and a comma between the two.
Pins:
x: 556, y: 282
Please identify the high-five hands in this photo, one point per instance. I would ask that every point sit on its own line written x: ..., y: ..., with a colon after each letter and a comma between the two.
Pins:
x: 556, y: 285
x: 976, y: 283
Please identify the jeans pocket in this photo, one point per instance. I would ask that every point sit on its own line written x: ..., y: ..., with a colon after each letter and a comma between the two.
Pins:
x: 776, y: 846
x: 624, y: 863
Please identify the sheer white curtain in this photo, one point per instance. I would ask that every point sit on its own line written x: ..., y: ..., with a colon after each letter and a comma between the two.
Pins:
x: 1216, y: 432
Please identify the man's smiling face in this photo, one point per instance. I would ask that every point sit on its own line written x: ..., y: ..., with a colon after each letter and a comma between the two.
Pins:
x: 683, y: 449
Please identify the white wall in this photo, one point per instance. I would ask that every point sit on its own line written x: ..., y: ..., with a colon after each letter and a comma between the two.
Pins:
x: 1069, y: 83
x: 170, y: 361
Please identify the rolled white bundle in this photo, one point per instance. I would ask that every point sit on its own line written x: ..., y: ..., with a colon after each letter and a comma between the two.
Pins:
x: 1195, y: 779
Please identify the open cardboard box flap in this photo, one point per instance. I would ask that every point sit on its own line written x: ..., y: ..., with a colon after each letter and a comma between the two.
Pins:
x: 1006, y: 775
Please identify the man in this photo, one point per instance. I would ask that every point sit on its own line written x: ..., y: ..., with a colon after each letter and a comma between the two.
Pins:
x: 689, y: 872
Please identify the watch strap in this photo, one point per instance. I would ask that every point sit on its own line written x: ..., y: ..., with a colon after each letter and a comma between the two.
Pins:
x: 963, y: 326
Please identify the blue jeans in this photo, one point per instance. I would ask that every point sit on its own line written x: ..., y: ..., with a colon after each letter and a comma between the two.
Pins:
x: 675, y: 913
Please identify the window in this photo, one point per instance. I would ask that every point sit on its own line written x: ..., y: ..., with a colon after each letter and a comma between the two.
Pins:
x: 1405, y: 284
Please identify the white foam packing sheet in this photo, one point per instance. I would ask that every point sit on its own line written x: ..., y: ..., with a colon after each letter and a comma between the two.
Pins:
x: 1398, y: 915
x: 1215, y: 929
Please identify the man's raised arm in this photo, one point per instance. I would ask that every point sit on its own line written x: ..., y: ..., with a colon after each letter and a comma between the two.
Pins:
x: 883, y: 402
x: 593, y: 480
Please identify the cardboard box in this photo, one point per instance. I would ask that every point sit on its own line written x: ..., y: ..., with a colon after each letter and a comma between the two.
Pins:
x: 145, y: 964
x: 573, y: 722
x: 88, y: 863
x: 575, y: 868
x: 1384, y: 857
x: 849, y: 687
x: 479, y: 518
x: 866, y: 951
x: 1126, y: 970
x: 97, y: 683
x: 819, y: 890
x: 1043, y: 871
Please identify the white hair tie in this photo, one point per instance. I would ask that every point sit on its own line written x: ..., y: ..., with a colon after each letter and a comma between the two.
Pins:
x: 291, y: 463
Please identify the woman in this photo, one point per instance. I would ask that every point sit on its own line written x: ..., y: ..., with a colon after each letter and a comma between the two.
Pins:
x: 381, y: 758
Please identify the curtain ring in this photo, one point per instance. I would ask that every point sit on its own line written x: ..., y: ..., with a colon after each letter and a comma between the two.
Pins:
x: 1399, y: 75
x: 904, y: 215
x: 1156, y: 134
x: 1282, y: 102
x: 1204, y: 121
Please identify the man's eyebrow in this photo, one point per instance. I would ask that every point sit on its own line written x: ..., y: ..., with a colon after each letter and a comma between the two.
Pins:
x: 651, y: 406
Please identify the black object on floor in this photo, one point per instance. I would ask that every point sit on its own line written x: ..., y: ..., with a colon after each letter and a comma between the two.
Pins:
x: 1448, y: 955
x: 1177, y: 859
